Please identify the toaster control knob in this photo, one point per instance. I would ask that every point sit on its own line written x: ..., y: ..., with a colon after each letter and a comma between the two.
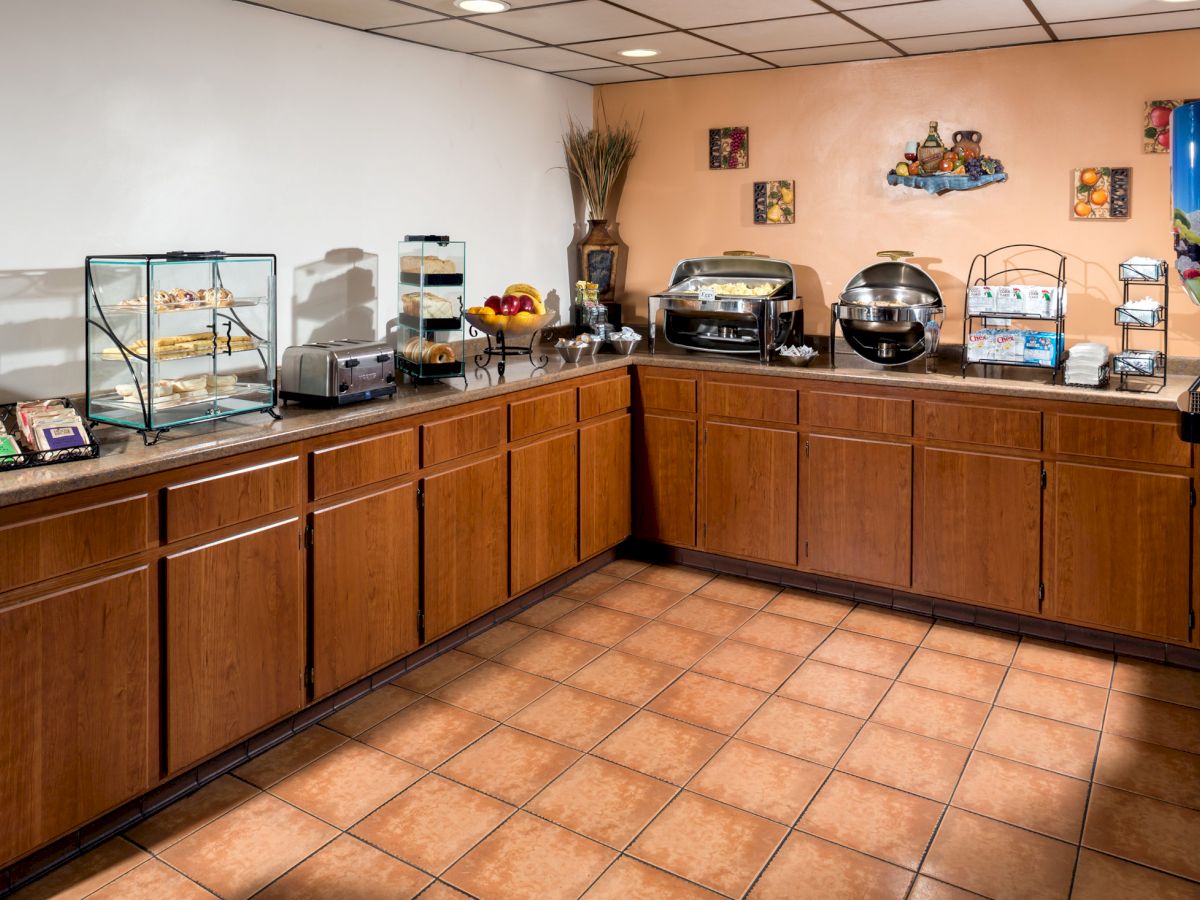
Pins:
x: 391, y: 378
x: 351, y: 363
x: 343, y: 387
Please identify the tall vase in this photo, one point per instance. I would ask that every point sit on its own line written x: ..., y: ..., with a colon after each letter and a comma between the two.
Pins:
x: 1185, y: 193
x: 598, y: 257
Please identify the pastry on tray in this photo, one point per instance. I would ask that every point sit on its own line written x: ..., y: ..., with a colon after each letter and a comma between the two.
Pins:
x: 420, y: 350
x: 434, y: 265
x: 436, y: 306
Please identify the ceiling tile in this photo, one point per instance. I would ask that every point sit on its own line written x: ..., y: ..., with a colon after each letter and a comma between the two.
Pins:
x: 355, y: 13
x: 671, y: 45
x: 1073, y: 10
x: 447, y: 7
x: 1171, y: 21
x: 841, y: 53
x: 610, y: 75
x: 787, y: 34
x: 713, y: 66
x: 698, y: 13
x: 455, y: 34
x: 943, y: 17
x: 565, y: 23
x: 859, y: 4
x: 974, y: 40
x: 548, y: 59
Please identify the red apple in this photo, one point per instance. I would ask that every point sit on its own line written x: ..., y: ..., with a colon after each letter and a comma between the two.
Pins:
x: 1164, y: 139
x: 526, y: 303
x: 1160, y: 116
x: 510, y: 305
x: 494, y: 303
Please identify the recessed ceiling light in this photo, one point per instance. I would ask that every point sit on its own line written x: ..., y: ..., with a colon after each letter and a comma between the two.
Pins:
x: 639, y: 53
x: 481, y: 6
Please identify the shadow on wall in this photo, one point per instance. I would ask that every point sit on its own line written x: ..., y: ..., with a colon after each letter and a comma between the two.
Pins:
x: 41, y: 333
x: 336, y: 297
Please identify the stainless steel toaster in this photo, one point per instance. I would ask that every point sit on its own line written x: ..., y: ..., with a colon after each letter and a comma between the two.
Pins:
x: 334, y: 373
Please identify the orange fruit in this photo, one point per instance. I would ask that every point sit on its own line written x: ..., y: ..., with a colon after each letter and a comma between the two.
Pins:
x: 1089, y: 177
x: 1082, y: 210
x: 1099, y: 197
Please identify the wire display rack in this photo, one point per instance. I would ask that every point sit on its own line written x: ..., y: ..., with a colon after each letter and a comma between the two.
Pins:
x: 1138, y: 368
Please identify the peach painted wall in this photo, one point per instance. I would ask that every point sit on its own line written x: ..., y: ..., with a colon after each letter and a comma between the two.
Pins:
x: 1043, y: 110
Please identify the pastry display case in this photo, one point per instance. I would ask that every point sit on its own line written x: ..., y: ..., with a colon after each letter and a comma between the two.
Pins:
x: 179, y: 338
x: 430, y: 338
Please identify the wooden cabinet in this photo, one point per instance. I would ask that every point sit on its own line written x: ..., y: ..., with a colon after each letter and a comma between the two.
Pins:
x: 351, y: 464
x: 234, y: 639
x: 77, y: 696
x: 543, y: 523
x: 750, y: 478
x: 605, y: 493
x: 365, y: 584
x: 664, y: 456
x: 977, y: 532
x: 229, y: 496
x: 1121, y: 543
x: 544, y: 411
x: 858, y: 508
x: 464, y: 527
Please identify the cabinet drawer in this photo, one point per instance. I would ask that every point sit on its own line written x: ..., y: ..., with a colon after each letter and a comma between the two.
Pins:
x: 665, y: 392
x: 55, y: 543
x: 1137, y: 440
x: 460, y: 436
x: 856, y: 412
x: 1019, y: 429
x: 750, y: 401
x: 362, y: 462
x: 602, y: 397
x: 544, y: 412
x: 226, y: 498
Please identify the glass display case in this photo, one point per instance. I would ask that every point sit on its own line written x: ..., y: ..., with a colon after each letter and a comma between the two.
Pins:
x: 430, y: 339
x: 179, y: 338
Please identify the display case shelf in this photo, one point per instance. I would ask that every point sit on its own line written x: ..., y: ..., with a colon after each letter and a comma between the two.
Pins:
x: 430, y: 334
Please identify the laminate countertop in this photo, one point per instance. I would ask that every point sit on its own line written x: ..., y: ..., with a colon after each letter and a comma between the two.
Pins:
x: 123, y: 454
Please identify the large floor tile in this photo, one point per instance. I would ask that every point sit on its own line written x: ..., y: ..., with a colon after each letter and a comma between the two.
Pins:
x: 812, y: 733
x: 683, y: 837
x: 625, y: 677
x: 880, y: 821
x: 759, y: 780
x: 433, y: 823
x: 1155, y: 721
x: 597, y: 624
x: 88, y: 873
x: 934, y: 714
x: 363, y: 713
x: 493, y: 690
x: 670, y: 644
x: 661, y: 747
x: 645, y: 600
x: 1057, y: 746
x: 567, y: 715
x: 865, y: 653
x: 152, y: 881
x: 495, y: 639
x: 1073, y: 663
x: 509, y: 764
x: 999, y: 860
x: 708, y: 615
x: 708, y: 702
x: 809, y: 866
x: 813, y: 608
x: 542, y: 614
x: 742, y: 591
x: 926, y: 888
x: 628, y: 878
x: 677, y: 578
x: 833, y: 687
x: 747, y: 664
x: 1022, y: 795
x: 195, y: 811
x: 347, y: 783
x: 248, y: 848
x: 428, y: 732
x: 1148, y: 679
x: 887, y: 623
x: 284, y: 759
x: 953, y: 674
x: 783, y: 633
x: 528, y: 858
x: 590, y: 586
x: 1054, y: 698
x: 1143, y: 830
x: 348, y: 868
x: 604, y: 801
x: 550, y: 655
x: 623, y: 568
x: 1149, y: 769
x: 967, y: 640
x: 430, y: 676
x: 1100, y: 877
x: 901, y: 759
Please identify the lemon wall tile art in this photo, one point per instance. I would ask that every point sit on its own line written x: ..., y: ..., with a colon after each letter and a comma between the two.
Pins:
x: 774, y: 202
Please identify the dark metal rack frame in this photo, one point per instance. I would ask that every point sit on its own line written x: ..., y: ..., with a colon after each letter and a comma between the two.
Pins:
x: 29, y: 458
x: 983, y: 264
x: 1147, y: 384
x: 502, y: 349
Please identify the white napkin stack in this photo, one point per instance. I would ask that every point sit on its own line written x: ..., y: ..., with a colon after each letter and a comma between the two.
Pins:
x: 1084, y: 362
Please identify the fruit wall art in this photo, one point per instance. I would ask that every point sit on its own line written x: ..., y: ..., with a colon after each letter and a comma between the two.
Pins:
x: 729, y: 148
x: 1156, y: 128
x: 774, y: 202
x: 1100, y: 192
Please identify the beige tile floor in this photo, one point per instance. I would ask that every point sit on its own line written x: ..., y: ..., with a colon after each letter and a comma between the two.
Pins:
x: 658, y: 732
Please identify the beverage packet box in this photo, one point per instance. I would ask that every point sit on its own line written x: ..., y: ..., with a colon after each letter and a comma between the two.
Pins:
x: 1005, y: 299
x: 981, y: 298
x: 1041, y: 348
x: 979, y: 344
x: 8, y: 446
x: 1010, y: 345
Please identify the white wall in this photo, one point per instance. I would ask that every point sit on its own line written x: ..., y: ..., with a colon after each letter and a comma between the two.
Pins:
x: 132, y: 126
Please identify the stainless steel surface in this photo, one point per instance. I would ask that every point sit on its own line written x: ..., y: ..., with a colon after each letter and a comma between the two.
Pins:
x: 890, y: 297
x: 571, y: 354
x: 623, y: 347
x: 890, y: 313
x: 337, y: 372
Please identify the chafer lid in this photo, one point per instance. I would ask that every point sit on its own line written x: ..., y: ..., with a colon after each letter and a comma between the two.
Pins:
x: 892, y: 283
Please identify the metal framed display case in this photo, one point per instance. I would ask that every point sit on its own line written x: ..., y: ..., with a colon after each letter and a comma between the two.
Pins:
x: 179, y: 338
x: 430, y: 339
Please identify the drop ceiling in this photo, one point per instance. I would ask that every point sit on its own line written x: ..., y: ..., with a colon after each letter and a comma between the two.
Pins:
x: 582, y: 39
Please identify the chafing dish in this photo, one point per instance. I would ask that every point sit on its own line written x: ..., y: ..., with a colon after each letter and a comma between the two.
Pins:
x: 729, y: 304
x: 890, y: 313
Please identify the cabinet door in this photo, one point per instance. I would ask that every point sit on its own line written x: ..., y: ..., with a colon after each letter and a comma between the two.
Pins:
x: 234, y: 639
x: 365, y: 583
x: 750, y: 492
x: 543, y: 523
x: 664, y: 459
x: 1121, y: 549
x: 977, y: 534
x: 76, y: 702
x: 858, y: 497
x: 465, y: 544
x: 605, y: 495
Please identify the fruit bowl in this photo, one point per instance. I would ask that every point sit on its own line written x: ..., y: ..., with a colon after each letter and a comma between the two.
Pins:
x: 520, y: 324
